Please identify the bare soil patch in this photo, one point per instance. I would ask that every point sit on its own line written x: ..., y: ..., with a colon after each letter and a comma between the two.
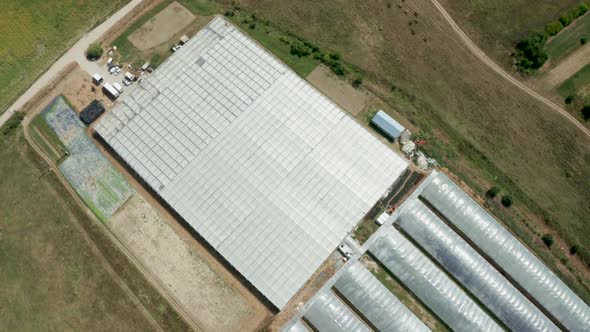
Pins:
x: 568, y: 67
x: 352, y: 100
x: 162, y: 27
x: 212, y: 302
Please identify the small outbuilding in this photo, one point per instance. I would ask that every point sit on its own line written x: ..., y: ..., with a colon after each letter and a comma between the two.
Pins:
x: 183, y: 40
x: 97, y: 79
x: 110, y: 90
x: 387, y: 125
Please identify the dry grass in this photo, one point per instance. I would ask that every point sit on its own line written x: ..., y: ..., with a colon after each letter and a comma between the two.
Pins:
x: 497, y: 25
x: 476, y: 123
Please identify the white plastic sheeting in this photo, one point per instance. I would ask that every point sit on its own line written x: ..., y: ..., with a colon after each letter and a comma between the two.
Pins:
x: 478, y: 276
x: 431, y: 285
x: 297, y: 327
x: 375, y: 302
x: 328, y: 313
x: 502, y: 247
x: 222, y: 128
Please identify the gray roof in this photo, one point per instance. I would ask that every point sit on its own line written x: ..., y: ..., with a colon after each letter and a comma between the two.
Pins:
x: 429, y: 283
x: 271, y: 173
x: 299, y: 326
x: 503, y: 248
x: 475, y: 274
x: 330, y: 314
x: 375, y: 302
x: 386, y: 123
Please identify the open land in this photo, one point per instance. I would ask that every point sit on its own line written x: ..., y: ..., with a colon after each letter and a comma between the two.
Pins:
x: 52, y: 277
x: 158, y: 30
x: 211, y: 301
x: 33, y: 34
x: 476, y: 124
x: 496, y: 26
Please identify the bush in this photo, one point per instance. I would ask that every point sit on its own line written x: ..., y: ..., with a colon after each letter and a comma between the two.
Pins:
x: 507, y: 201
x: 586, y: 112
x: 335, y: 55
x: 569, y: 99
x: 252, y: 26
x: 299, y: 49
x: 94, y: 51
x: 13, y: 122
x: 574, y: 250
x: 357, y: 81
x: 229, y: 13
x: 553, y: 28
x: 583, y: 40
x: 530, y: 54
x: 493, y: 192
x: 338, y: 68
x: 566, y: 19
x: 547, y: 239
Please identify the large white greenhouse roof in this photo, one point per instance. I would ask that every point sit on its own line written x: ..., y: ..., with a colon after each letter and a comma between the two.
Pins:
x: 267, y: 170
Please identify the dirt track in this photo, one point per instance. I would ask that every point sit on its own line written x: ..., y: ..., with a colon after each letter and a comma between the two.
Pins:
x: 492, y: 65
x: 568, y: 67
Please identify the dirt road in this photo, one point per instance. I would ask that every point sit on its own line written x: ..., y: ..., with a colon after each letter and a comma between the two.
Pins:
x: 74, y: 54
x: 568, y: 67
x: 492, y: 65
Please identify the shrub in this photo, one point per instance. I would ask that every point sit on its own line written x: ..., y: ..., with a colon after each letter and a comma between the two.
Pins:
x: 547, y: 239
x: 314, y: 49
x: 530, y: 54
x: 586, y: 112
x: 569, y: 99
x: 553, y: 28
x: 566, y: 19
x: 581, y: 9
x: 335, y: 55
x: 357, y: 81
x: 252, y: 26
x: 493, y: 192
x: 229, y: 13
x: 338, y: 68
x: 583, y: 40
x: 299, y: 49
x: 13, y: 122
x: 506, y: 201
x: 94, y: 51
x: 573, y: 250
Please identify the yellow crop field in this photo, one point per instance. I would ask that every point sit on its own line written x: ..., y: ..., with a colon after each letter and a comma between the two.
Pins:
x: 34, y: 33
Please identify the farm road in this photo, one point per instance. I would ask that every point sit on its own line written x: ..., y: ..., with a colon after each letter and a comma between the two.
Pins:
x: 492, y: 65
x: 75, y: 53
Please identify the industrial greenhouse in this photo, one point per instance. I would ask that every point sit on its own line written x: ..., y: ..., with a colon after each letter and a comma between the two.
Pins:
x: 471, y: 270
x: 506, y: 251
x: 430, y: 284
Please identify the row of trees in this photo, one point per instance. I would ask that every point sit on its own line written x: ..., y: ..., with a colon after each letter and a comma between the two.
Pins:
x: 565, y: 19
x: 530, y: 53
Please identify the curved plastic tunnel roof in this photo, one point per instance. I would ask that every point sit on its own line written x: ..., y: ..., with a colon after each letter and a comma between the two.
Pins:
x: 504, y: 249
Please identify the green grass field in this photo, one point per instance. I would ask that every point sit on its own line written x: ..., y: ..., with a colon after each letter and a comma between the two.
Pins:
x: 575, y: 83
x: 34, y: 33
x: 51, y: 279
x: 568, y: 40
x: 497, y: 25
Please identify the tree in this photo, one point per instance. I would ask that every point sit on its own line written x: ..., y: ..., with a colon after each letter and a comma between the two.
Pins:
x: 569, y: 99
x: 547, y: 239
x: 94, y: 51
x: 553, y: 28
x: 573, y: 250
x: 530, y: 54
x: 506, y: 201
x: 493, y: 192
x: 586, y: 112
x: 583, y: 40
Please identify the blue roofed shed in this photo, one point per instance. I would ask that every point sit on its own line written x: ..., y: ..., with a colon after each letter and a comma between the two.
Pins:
x: 387, y: 124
